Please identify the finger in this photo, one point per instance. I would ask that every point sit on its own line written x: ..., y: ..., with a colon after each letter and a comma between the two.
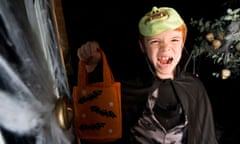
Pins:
x: 88, y: 49
x: 94, y: 48
x: 82, y: 52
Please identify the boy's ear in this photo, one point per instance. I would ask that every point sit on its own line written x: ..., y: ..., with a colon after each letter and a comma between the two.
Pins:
x: 140, y: 42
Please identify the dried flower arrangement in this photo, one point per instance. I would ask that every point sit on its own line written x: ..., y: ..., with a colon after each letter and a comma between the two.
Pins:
x: 220, y: 41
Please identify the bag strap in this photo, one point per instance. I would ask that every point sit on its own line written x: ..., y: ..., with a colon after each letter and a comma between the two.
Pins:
x: 108, y: 77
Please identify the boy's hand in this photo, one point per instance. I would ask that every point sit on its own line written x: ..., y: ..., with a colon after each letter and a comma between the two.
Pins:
x: 89, y: 52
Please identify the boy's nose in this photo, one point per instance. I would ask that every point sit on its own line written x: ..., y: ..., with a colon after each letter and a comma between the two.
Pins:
x: 164, y: 46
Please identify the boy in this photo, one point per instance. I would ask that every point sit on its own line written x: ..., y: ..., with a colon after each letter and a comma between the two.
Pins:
x: 175, y: 109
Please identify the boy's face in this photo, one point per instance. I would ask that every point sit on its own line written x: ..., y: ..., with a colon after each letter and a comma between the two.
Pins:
x: 164, y: 51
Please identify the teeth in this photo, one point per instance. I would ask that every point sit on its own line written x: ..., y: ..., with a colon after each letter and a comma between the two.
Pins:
x: 169, y: 60
x: 165, y: 59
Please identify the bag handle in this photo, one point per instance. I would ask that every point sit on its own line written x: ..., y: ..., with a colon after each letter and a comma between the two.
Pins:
x: 107, y: 73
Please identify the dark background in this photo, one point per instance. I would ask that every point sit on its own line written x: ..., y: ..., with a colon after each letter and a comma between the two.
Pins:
x: 114, y: 24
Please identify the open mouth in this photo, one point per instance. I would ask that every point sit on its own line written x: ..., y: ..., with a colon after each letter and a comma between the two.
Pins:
x: 165, y: 60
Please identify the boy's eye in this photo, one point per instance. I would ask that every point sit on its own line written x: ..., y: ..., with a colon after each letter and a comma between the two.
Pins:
x: 175, y: 40
x: 154, y: 42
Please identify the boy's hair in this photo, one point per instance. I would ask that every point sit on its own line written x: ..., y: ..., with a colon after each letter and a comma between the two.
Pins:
x: 183, y: 29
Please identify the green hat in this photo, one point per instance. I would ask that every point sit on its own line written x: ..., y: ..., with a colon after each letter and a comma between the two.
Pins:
x: 159, y: 20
